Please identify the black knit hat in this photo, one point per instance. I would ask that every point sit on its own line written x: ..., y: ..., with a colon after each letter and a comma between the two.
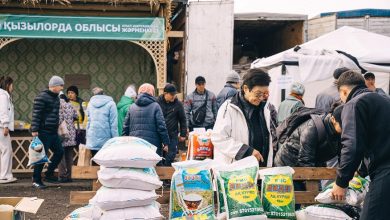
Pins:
x: 73, y: 89
x: 200, y: 80
x: 337, y: 73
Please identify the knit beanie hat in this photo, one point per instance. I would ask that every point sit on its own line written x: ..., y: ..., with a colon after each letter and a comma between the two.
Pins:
x: 130, y: 92
x: 146, y: 88
x: 73, y: 89
x: 56, y: 81
x: 297, y: 88
x: 233, y: 77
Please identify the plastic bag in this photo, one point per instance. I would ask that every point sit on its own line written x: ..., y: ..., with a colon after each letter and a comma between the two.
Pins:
x: 200, y: 146
x: 129, y: 178
x: 36, y: 153
x: 149, y: 212
x: 191, y: 190
x: 127, y: 152
x: 328, y: 212
x: 356, y: 192
x: 239, y: 187
x: 89, y: 212
x: 109, y: 198
x: 277, y: 192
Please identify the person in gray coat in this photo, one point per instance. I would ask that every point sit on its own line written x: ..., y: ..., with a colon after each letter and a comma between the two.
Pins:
x: 292, y: 103
x: 230, y: 89
x: 326, y: 98
x: 200, y: 106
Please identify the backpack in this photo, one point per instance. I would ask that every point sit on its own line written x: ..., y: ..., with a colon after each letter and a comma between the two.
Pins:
x: 287, y: 127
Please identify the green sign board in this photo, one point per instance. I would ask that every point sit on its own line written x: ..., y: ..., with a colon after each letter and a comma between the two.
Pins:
x: 69, y: 27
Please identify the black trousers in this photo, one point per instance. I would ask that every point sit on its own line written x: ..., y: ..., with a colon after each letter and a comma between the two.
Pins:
x: 376, y: 204
x: 52, y: 142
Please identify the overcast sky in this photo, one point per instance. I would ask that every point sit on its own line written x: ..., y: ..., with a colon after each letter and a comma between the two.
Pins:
x: 308, y: 7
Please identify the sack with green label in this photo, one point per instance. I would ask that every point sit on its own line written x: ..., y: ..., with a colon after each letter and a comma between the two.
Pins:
x: 192, y: 190
x: 238, y: 186
x: 277, y: 192
x: 355, y: 194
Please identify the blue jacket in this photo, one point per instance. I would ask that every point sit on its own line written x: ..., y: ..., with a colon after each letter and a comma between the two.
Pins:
x: 102, y: 121
x: 226, y: 93
x: 145, y: 120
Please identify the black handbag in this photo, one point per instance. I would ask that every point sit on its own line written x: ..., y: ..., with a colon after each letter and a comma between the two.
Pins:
x: 199, y: 115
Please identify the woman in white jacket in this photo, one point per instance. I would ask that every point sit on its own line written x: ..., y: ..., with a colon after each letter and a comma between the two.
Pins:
x: 243, y: 125
x: 6, y: 125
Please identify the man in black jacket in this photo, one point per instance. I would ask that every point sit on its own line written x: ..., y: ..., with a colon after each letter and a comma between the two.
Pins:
x: 365, y: 133
x: 174, y: 115
x: 45, y: 122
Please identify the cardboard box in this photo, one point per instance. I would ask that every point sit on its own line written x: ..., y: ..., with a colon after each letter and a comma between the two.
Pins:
x: 22, y: 205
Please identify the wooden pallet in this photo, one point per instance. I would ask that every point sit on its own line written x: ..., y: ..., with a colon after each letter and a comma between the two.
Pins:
x: 311, y: 176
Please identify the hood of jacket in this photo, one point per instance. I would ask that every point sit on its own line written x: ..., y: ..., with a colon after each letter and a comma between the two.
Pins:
x: 99, y: 101
x: 145, y: 99
x: 124, y: 102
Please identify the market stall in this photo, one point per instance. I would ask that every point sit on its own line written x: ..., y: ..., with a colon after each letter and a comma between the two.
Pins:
x: 126, y: 44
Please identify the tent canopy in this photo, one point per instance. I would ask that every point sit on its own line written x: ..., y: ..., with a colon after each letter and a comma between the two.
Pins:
x: 314, y: 62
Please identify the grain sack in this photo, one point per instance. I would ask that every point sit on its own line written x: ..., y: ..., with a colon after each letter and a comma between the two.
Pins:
x: 194, y: 217
x: 127, y: 152
x: 328, y: 212
x: 89, y: 212
x: 277, y: 192
x: 200, y: 146
x: 238, y: 182
x: 355, y: 194
x: 109, y: 198
x: 36, y: 153
x: 149, y: 212
x: 129, y: 178
x: 191, y: 190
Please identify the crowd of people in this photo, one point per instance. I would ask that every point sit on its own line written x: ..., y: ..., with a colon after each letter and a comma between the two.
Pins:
x: 347, y: 129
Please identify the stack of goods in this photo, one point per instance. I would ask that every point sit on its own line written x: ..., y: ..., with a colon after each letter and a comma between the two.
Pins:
x: 200, y: 146
x: 237, y: 192
x: 192, y: 193
x: 129, y: 181
x: 277, y: 192
x: 332, y: 209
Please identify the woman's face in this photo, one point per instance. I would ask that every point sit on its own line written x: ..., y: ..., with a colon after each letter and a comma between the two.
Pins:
x: 72, y: 95
x: 256, y: 95
x: 336, y: 125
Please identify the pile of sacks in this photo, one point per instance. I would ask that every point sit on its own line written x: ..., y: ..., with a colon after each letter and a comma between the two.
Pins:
x: 129, y: 182
x: 347, y: 209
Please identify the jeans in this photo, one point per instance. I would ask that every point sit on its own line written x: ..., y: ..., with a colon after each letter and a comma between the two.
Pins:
x: 172, y: 151
x: 52, y: 142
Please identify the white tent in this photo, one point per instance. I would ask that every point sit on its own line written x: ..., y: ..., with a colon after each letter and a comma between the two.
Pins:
x: 313, y: 64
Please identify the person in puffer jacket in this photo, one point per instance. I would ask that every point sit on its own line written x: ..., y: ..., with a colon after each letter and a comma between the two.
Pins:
x: 303, y: 148
x: 124, y: 104
x: 102, y: 120
x: 145, y: 120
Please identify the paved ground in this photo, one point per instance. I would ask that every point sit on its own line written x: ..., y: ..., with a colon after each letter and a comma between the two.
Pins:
x: 56, y: 205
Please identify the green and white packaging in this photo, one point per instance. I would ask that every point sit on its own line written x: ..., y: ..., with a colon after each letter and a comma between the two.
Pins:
x: 277, y: 192
x: 237, y: 182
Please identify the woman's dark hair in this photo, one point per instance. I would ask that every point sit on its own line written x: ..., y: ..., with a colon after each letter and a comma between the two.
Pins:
x: 6, y: 82
x: 256, y: 77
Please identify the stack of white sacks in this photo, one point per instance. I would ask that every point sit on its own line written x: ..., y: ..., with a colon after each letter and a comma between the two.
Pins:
x: 129, y: 181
